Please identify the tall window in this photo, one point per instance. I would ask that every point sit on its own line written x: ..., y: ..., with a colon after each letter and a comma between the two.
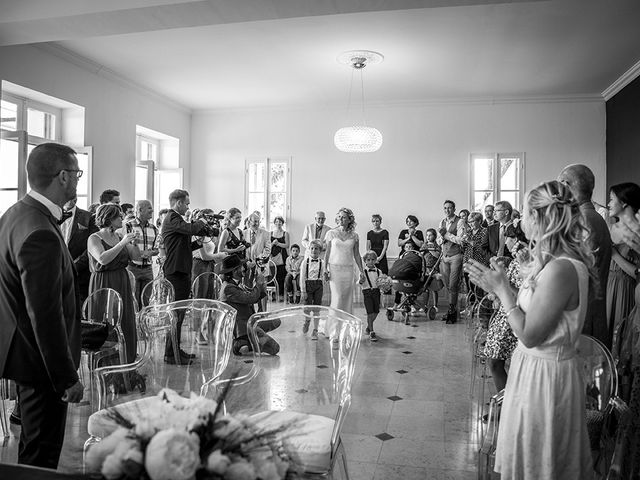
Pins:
x: 268, y: 187
x: 25, y: 123
x: 147, y: 158
x: 496, y: 177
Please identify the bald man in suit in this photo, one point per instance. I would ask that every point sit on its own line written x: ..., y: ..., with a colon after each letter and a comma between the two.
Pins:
x: 39, y: 330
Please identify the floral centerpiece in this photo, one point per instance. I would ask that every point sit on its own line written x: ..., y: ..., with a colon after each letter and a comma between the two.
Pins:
x: 188, y: 438
x: 384, y: 283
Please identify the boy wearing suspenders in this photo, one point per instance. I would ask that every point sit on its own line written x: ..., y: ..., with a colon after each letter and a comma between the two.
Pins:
x: 370, y: 291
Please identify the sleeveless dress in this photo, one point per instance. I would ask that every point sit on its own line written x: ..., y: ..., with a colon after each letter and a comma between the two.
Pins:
x: 114, y: 275
x: 543, y: 429
x: 377, y: 244
x: 341, y: 264
x: 281, y: 269
x: 620, y: 287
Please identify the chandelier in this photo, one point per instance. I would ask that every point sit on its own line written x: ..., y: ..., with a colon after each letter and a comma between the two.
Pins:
x: 358, y: 138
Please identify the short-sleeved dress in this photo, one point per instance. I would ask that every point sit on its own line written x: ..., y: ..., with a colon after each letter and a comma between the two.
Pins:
x: 114, y: 275
x: 501, y: 341
x: 377, y: 244
x: 543, y: 429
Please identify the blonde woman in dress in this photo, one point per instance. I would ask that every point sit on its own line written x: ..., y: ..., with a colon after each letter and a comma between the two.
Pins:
x: 543, y: 431
x: 343, y: 253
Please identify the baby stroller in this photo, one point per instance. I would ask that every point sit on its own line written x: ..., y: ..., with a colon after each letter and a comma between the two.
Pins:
x: 409, y: 276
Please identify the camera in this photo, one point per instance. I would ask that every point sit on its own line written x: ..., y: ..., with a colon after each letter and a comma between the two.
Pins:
x: 212, y: 221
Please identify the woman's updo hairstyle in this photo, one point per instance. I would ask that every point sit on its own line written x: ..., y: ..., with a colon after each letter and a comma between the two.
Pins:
x: 350, y: 216
x: 628, y: 194
x: 106, y: 213
x: 555, y: 227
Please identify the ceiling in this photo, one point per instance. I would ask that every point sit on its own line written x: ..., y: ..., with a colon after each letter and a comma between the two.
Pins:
x: 224, y: 54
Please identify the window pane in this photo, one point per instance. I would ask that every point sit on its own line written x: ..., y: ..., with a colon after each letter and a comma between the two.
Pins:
x: 166, y: 182
x: 278, y: 177
x: 277, y: 205
x: 512, y: 198
x: 482, y: 199
x: 141, y: 182
x: 83, y: 202
x: 482, y: 173
x: 7, y: 198
x: 41, y: 124
x: 510, y: 173
x: 256, y: 202
x: 9, y: 164
x: 83, y: 183
x: 256, y: 177
x: 8, y: 115
x: 148, y: 150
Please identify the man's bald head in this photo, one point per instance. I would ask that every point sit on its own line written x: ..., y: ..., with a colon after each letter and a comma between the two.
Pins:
x: 580, y: 180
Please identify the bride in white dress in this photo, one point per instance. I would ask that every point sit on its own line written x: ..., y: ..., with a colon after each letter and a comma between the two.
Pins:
x: 343, y: 251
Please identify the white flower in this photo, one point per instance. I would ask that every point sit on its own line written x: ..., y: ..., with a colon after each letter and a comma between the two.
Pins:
x: 100, y: 451
x: 218, y: 463
x: 126, y: 458
x: 172, y: 455
x: 112, y: 468
x: 266, y: 470
x: 241, y: 470
x: 145, y: 429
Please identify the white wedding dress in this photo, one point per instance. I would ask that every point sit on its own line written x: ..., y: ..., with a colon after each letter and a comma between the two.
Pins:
x: 341, y: 264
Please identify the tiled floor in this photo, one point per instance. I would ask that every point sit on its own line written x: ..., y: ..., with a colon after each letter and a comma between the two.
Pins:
x: 411, y: 416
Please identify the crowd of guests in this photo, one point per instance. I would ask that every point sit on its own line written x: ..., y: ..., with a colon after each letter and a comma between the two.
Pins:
x: 561, y: 270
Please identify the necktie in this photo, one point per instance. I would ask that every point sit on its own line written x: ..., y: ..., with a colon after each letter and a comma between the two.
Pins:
x: 253, y: 237
x: 318, y: 231
x: 65, y: 216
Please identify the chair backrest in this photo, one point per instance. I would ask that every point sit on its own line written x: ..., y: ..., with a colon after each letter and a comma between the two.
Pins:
x: 207, y: 285
x: 305, y: 376
x: 599, y: 372
x: 269, y: 270
x: 150, y: 373
x: 159, y: 291
x: 103, y: 306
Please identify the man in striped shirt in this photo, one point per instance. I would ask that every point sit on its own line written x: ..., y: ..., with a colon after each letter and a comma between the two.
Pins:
x: 146, y: 237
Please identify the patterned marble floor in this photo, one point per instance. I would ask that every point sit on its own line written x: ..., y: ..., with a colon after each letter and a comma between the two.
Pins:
x: 411, y: 416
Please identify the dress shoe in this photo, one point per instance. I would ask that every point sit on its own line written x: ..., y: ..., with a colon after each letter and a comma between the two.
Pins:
x: 170, y: 359
x: 15, y: 419
x: 184, y: 355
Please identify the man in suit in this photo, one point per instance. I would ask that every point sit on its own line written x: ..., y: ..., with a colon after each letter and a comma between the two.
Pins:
x: 581, y: 182
x: 75, y: 231
x: 39, y: 331
x: 316, y: 231
x: 176, y: 234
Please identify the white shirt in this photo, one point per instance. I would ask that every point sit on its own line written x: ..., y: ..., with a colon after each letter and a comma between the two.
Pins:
x: 373, y: 275
x: 67, y: 226
x: 55, y: 210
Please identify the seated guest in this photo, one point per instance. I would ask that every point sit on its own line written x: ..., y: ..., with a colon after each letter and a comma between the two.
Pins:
x: 624, y: 203
x: 242, y: 298
x: 543, y: 428
x: 292, y: 280
x: 109, y: 255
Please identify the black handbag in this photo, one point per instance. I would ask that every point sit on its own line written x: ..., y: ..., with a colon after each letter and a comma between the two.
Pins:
x: 93, y: 334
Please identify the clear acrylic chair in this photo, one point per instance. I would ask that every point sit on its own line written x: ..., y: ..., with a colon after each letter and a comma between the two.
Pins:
x: 306, y: 388
x: 4, y: 402
x: 149, y: 374
x: 157, y: 292
x: 132, y: 284
x: 205, y: 285
x: 269, y: 270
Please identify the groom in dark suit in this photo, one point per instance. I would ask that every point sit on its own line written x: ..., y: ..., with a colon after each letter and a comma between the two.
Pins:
x: 39, y: 332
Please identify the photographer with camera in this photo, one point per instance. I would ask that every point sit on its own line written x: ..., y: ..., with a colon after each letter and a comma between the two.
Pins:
x: 177, y: 234
x: 206, y: 256
x: 232, y: 240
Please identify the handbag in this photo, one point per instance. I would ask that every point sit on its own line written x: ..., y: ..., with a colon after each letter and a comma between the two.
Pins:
x: 93, y: 335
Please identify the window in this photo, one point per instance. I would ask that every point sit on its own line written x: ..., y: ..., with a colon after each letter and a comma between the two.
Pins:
x: 496, y: 177
x: 157, y: 171
x: 146, y: 160
x: 267, y: 188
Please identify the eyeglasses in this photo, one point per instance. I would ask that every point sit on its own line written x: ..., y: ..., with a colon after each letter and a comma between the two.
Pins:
x: 78, y: 172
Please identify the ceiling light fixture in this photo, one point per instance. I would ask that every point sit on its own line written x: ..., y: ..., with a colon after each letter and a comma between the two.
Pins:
x: 358, y: 138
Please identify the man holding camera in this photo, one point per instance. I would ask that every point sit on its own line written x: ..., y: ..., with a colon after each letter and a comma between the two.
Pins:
x: 146, y: 235
x: 177, y: 234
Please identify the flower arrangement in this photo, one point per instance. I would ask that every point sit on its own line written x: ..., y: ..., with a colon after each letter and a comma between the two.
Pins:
x: 188, y: 438
x: 384, y: 283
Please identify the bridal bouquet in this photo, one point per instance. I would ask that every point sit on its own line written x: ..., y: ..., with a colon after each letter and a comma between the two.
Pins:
x: 188, y: 438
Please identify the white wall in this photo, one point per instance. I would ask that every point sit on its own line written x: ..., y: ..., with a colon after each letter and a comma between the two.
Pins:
x: 424, y: 158
x: 112, y: 111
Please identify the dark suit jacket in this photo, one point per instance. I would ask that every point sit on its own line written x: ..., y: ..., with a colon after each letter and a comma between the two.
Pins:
x: 39, y: 333
x: 493, y: 232
x: 595, y: 323
x: 176, y: 234
x: 83, y: 225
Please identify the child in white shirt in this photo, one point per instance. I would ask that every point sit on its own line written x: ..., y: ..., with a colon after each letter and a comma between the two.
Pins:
x: 311, y: 274
x: 370, y: 291
x: 291, y: 281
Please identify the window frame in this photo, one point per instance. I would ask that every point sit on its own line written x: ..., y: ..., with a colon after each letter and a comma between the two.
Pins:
x: 497, y: 190
x: 268, y: 161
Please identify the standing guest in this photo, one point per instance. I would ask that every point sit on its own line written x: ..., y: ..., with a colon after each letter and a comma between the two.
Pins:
x: 476, y: 247
x: 279, y: 252
x: 431, y: 252
x: 316, y: 231
x: 75, y: 231
x: 580, y: 179
x: 464, y: 216
x: 378, y: 241
x: 371, y: 291
x: 109, y: 255
x: 236, y: 294
x: 292, y: 280
x: 312, y: 271
x: 232, y: 240
x: 504, y: 225
x: 411, y: 235
x: 624, y: 203
x: 205, y: 257
x: 110, y: 196
x: 544, y: 401
x: 515, y: 216
x: 450, y: 234
x: 146, y: 239
x: 488, y: 216
x: 39, y: 328
x: 129, y: 212
x: 93, y: 207
x: 162, y: 254
x: 176, y: 234
x: 343, y: 253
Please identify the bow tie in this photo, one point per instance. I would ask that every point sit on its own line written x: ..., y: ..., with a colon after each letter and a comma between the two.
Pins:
x: 371, y: 269
x: 65, y: 216
x: 315, y: 259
